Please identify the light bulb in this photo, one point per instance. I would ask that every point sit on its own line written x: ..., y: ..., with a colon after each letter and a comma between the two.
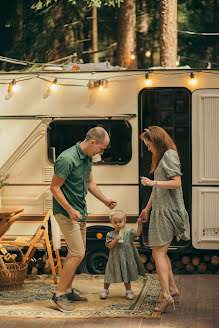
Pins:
x: 178, y: 61
x: 100, y: 86
x: 147, y: 80
x: 132, y: 56
x: 192, y: 81
x: 148, y: 53
x: 15, y: 87
x: 53, y: 87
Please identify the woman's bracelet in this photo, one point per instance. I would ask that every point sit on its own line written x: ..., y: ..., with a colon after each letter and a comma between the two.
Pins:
x: 155, y: 184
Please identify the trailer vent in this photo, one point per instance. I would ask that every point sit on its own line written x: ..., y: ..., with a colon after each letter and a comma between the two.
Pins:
x: 47, y: 205
x: 210, y: 233
x: 48, y: 174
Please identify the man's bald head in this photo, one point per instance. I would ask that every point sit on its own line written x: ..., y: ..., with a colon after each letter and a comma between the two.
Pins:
x: 98, y: 134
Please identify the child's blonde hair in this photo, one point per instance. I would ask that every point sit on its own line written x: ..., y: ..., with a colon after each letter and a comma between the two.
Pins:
x: 116, y: 212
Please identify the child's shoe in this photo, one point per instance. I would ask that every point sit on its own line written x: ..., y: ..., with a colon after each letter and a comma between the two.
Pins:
x: 129, y: 295
x: 104, y: 294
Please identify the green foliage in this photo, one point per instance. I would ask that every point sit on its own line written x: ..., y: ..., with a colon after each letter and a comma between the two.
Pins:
x: 53, y: 29
x: 97, y: 3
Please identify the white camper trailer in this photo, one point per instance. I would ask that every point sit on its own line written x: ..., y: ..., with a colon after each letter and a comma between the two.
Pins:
x: 38, y: 123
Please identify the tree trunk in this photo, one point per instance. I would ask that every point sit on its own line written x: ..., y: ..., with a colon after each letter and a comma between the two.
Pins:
x: 168, y: 33
x: 18, y: 30
x: 126, y: 35
x: 59, y: 49
x: 142, y: 36
x: 95, y: 34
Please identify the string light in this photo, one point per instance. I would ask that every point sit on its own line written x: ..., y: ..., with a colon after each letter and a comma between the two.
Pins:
x: 192, y: 81
x: 209, y: 65
x: 13, y: 87
x: 100, y: 85
x: 147, y: 80
x: 53, y: 86
x: 178, y: 61
x: 132, y: 56
x: 148, y: 53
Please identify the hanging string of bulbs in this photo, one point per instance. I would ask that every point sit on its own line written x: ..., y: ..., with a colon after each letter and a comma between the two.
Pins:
x: 148, y: 54
x: 95, y: 84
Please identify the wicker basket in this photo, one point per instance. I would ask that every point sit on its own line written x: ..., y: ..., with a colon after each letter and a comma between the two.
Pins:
x: 14, y: 276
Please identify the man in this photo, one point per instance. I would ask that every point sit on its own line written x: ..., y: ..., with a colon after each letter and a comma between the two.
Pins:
x: 71, y: 180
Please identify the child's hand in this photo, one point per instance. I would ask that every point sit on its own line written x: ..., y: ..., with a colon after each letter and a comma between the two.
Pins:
x: 139, y: 220
x: 118, y: 237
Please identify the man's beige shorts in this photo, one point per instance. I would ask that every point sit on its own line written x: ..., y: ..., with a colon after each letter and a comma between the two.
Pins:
x: 74, y: 233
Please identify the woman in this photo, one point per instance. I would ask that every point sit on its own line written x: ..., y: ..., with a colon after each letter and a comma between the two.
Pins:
x: 168, y: 217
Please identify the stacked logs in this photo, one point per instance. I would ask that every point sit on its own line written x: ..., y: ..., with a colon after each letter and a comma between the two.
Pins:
x: 181, y: 264
x: 185, y: 264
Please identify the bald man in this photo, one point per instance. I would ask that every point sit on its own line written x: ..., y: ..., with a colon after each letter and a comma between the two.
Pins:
x: 71, y: 180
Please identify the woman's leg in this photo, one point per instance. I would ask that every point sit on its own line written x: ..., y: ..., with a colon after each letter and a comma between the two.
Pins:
x: 172, y: 285
x: 159, y: 254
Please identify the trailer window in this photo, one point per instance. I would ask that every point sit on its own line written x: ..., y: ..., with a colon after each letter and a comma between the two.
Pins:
x: 65, y: 134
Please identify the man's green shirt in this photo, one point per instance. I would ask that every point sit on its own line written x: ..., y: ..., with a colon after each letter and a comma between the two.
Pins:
x: 75, y: 168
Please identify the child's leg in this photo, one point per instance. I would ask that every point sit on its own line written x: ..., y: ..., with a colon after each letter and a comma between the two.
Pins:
x: 104, y: 292
x: 129, y: 292
x: 127, y: 285
x: 106, y: 286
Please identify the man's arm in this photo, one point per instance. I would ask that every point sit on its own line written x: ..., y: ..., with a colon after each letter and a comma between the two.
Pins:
x: 56, y: 184
x: 95, y: 191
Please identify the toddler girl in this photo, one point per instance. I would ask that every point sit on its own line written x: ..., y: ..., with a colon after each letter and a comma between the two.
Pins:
x: 124, y: 263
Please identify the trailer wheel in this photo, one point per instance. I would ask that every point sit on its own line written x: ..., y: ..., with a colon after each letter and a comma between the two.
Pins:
x: 96, y: 262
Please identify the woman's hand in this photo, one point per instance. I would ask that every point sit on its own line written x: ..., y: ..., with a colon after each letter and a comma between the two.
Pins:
x: 147, y: 182
x: 144, y: 215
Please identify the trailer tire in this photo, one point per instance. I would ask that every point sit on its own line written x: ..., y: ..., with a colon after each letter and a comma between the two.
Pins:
x: 96, y: 262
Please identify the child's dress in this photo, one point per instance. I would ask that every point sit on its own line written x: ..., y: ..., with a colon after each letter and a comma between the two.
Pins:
x: 124, y: 263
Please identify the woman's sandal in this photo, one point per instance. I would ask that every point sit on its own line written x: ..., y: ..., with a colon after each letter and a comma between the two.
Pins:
x: 176, y: 296
x: 164, y: 305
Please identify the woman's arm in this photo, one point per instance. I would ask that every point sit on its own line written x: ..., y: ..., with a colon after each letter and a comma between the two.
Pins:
x: 146, y: 210
x: 173, y: 183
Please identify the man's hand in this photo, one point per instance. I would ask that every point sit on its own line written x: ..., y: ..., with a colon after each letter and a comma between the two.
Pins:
x: 75, y: 215
x: 144, y: 215
x: 110, y: 203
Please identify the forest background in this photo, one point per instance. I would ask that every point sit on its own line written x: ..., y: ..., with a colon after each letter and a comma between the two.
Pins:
x: 48, y: 30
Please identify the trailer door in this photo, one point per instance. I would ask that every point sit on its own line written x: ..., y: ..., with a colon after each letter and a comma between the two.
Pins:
x: 168, y: 108
x: 205, y: 169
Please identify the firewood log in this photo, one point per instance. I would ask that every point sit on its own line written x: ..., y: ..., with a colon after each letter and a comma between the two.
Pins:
x: 185, y: 260
x: 150, y: 266
x: 190, y: 267
x: 196, y: 261
x: 215, y: 260
x: 179, y: 265
x: 34, y: 271
x: 143, y: 257
x: 202, y: 267
x: 206, y: 258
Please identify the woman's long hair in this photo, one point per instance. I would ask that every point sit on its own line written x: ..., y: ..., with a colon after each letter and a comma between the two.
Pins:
x: 160, y: 140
